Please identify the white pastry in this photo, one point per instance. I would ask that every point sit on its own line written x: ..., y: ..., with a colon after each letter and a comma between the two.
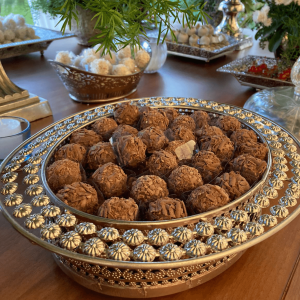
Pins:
x: 182, y: 37
x: 193, y: 40
x: 202, y: 31
x: 204, y: 40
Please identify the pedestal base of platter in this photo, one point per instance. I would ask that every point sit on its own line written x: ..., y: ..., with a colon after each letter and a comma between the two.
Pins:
x: 142, y: 283
x: 278, y: 104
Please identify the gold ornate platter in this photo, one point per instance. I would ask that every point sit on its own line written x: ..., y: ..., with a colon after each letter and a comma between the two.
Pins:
x: 125, y: 260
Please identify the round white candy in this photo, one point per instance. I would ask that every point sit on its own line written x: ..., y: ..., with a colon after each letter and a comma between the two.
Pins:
x: 101, y: 66
x: 124, y: 52
x: 9, y: 35
x: 210, y: 28
x: 191, y: 31
x: 204, y: 40
x: 202, y: 31
x: 129, y: 63
x: 77, y: 61
x: 20, y: 20
x: 120, y: 70
x: 64, y: 57
x: 142, y: 58
x: 87, y: 59
x: 21, y: 32
x: 183, y: 37
x: 30, y: 32
x: 214, y: 39
x: 112, y: 59
x: 193, y: 39
x: 9, y: 23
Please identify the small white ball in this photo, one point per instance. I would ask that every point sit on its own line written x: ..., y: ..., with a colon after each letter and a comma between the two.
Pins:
x: 64, y: 57
x: 1, y: 36
x: 198, y: 25
x: 120, y: 70
x: 193, y: 40
x: 142, y: 59
x: 129, y: 63
x: 210, y: 28
x: 214, y: 39
x: 191, y: 31
x: 20, y: 20
x: 204, y: 40
x: 202, y: 31
x: 77, y: 61
x: 87, y: 59
x: 112, y: 59
x: 124, y: 52
x: 101, y: 66
x: 9, y: 35
x: 90, y: 51
x: 30, y: 32
x: 9, y: 23
x: 170, y: 37
x: 183, y: 37
x: 21, y: 32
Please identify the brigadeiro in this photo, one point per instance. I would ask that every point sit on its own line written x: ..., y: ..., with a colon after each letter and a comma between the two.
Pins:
x: 201, y: 118
x: 182, y: 133
x: 126, y: 114
x: 123, y: 130
x: 207, y: 164
x: 171, y: 113
x: 166, y: 209
x: 154, y: 138
x: 119, y: 209
x: 63, y: 172
x: 131, y: 151
x: 228, y: 124
x: 105, y: 127
x: 156, y: 118
x: 172, y: 146
x: 219, y: 145
x: 99, y: 155
x: 258, y: 150
x: 207, y: 130
x: 184, y: 179
x: 161, y: 163
x: 80, y: 196
x: 75, y: 152
x: 241, y: 136
x: 233, y: 183
x: 111, y: 180
x: 148, y: 188
x: 85, y: 137
x: 185, y: 121
x: 251, y: 168
x: 206, y: 197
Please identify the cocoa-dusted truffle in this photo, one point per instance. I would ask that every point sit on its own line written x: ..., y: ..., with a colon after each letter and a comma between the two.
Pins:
x: 162, y: 163
x: 182, y: 133
x: 207, y: 130
x: 249, y: 167
x: 201, y: 118
x: 206, y: 197
x: 166, y: 209
x: 242, y: 136
x: 111, y: 180
x: 119, y: 209
x: 172, y: 146
x: 127, y: 114
x: 131, y: 150
x: 233, y: 183
x: 156, y: 118
x: 63, y: 172
x: 228, y: 124
x: 220, y: 145
x: 171, y: 113
x: 154, y: 138
x: 185, y: 121
x: 148, y: 188
x: 105, y: 127
x: 258, y: 150
x: 85, y: 137
x: 144, y: 109
x: 80, y: 196
x: 184, y: 179
x: 207, y: 164
x: 99, y: 155
x: 123, y: 130
x: 75, y: 152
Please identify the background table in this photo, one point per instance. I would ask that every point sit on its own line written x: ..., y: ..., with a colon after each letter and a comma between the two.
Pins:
x: 267, y: 271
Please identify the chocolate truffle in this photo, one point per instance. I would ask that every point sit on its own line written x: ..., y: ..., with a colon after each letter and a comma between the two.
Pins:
x: 144, y: 109
x: 119, y: 209
x: 80, y: 196
x: 207, y: 130
x: 206, y: 197
x: 207, y: 164
x: 111, y: 180
x: 63, y: 172
x: 153, y: 138
x: 123, y: 130
x: 172, y: 146
x: 162, y: 163
x: 105, y: 127
x: 127, y: 114
x: 148, y: 188
x: 85, y: 137
x: 184, y: 179
x: 249, y: 167
x: 258, y: 150
x: 185, y: 121
x: 171, y: 113
x: 201, y: 118
x: 220, y: 145
x: 156, y: 118
x: 228, y: 124
x: 99, y: 155
x: 234, y: 184
x: 166, y: 209
x: 131, y: 151
x: 75, y: 152
x: 242, y: 136
x: 182, y: 133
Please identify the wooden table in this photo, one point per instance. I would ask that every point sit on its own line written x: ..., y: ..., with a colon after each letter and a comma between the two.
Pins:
x: 269, y: 270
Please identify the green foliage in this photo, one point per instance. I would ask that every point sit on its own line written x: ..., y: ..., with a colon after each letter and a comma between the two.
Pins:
x: 16, y: 7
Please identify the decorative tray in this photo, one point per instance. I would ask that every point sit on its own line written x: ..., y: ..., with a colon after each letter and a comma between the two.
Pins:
x: 41, y: 44
x: 239, y: 68
x: 113, y: 257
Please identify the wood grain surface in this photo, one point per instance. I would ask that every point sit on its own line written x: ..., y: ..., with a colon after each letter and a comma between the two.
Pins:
x: 267, y: 271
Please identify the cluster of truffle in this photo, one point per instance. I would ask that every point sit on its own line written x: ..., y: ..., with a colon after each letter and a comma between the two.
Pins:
x: 118, y: 64
x: 13, y: 29
x: 201, y: 36
x: 156, y: 164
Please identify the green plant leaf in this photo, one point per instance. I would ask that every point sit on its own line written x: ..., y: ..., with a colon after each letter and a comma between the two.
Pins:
x: 276, y: 40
